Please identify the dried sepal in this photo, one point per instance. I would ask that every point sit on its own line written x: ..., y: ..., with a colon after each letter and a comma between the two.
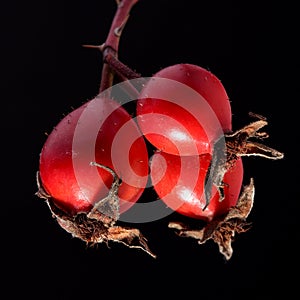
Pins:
x: 96, y: 226
x: 102, y: 230
x: 229, y: 148
x: 110, y: 205
x: 240, y: 142
x: 222, y: 230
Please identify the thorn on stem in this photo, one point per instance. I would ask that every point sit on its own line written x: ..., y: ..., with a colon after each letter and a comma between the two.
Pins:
x: 100, y: 47
x: 119, y: 3
x: 118, y: 30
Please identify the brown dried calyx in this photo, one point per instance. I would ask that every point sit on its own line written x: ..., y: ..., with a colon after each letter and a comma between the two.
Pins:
x: 234, y: 145
x: 241, y: 143
x: 95, y: 226
x: 222, y: 229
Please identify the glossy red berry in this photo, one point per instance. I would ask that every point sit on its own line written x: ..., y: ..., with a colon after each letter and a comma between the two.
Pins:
x: 90, y: 134
x: 183, y: 109
x: 181, y: 182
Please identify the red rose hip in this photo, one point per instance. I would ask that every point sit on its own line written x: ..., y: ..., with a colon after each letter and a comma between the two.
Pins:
x: 181, y: 182
x: 183, y: 109
x: 66, y: 172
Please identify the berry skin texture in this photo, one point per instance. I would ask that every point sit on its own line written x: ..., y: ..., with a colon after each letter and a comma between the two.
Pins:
x: 65, y: 171
x: 176, y: 121
x: 180, y: 183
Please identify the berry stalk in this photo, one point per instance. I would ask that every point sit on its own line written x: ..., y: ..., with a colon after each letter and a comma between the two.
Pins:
x: 111, y: 46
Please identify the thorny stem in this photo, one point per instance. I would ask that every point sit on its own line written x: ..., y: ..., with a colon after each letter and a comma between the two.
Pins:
x: 111, y: 45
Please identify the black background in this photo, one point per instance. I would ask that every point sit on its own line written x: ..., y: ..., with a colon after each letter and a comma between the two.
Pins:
x: 46, y: 71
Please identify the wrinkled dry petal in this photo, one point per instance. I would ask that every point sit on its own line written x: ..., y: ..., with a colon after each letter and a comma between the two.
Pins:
x: 244, y: 204
x: 222, y: 230
x: 130, y: 237
x: 97, y: 227
x: 100, y: 230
